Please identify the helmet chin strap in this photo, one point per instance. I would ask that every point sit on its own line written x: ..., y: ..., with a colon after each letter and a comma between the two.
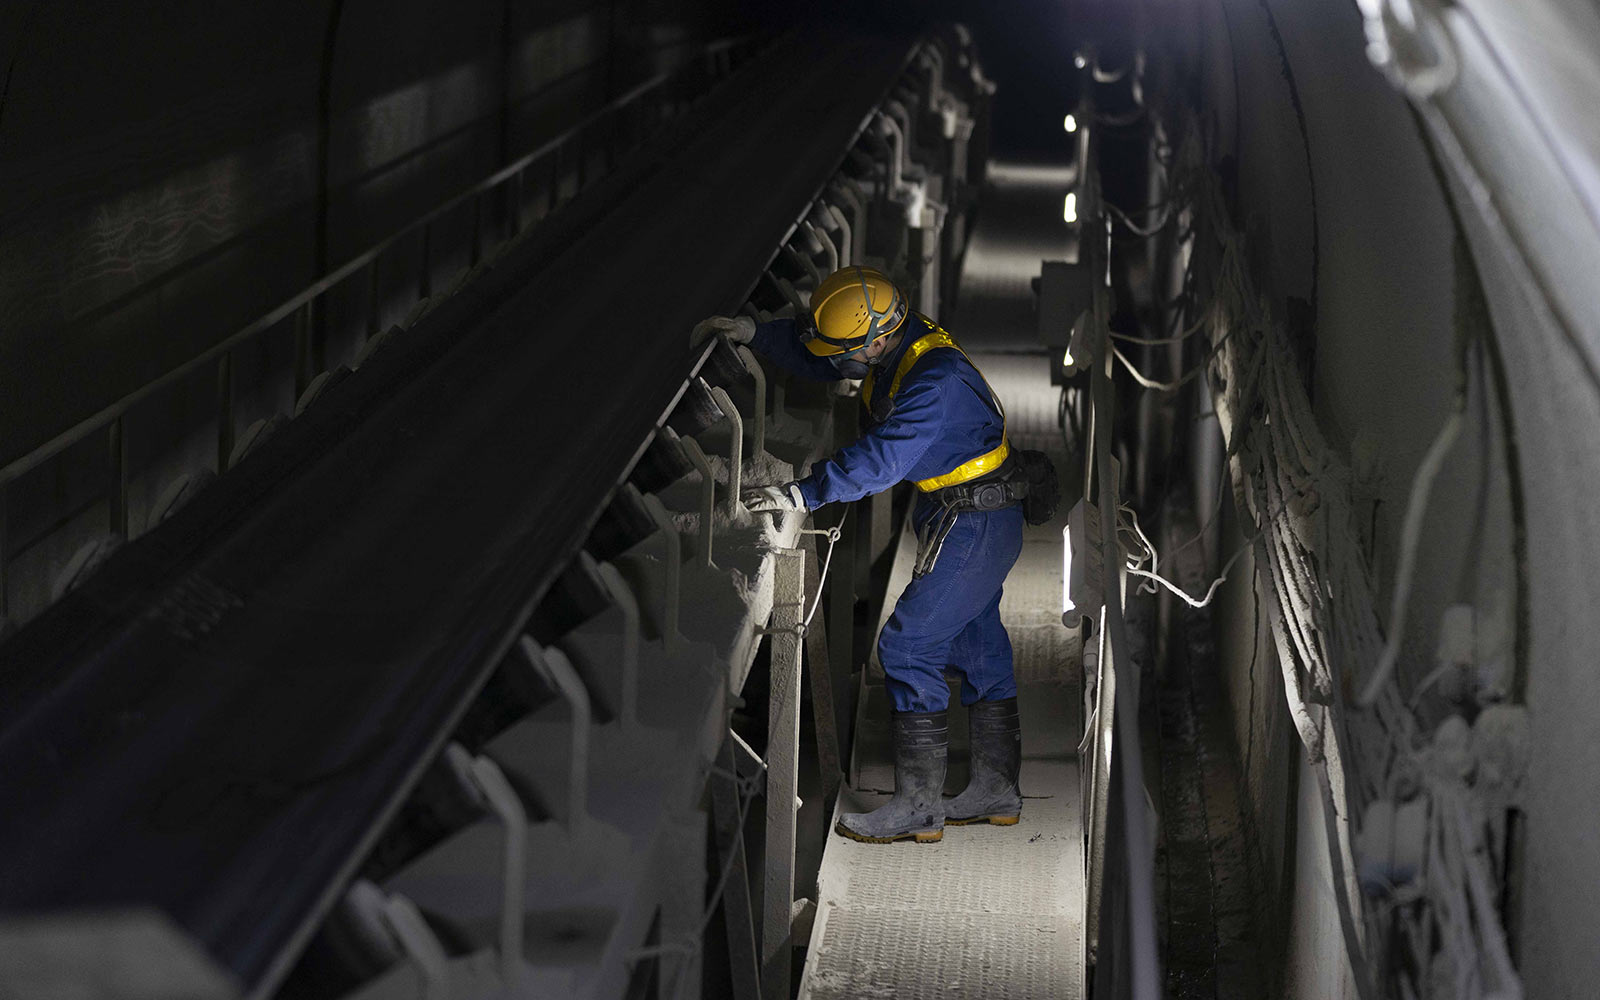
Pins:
x: 874, y: 317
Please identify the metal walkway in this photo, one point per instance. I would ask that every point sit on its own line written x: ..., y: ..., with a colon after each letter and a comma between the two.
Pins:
x: 989, y: 911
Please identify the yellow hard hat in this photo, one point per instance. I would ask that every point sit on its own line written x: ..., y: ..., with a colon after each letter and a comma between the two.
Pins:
x: 853, y: 307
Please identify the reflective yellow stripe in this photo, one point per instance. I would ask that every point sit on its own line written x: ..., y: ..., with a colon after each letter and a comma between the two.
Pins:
x: 966, y: 471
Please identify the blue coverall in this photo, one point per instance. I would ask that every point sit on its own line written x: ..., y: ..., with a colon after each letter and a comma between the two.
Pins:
x: 943, y: 416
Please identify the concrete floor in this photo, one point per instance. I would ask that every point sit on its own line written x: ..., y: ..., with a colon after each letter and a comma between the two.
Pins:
x: 989, y: 911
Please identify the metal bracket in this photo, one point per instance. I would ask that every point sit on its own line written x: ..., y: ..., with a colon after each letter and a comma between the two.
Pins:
x: 829, y: 248
x: 786, y: 287
x: 420, y: 944
x: 846, y: 238
x: 672, y: 570
x: 553, y: 667
x: 708, y: 496
x: 759, y: 419
x: 735, y: 449
x: 622, y: 595
x: 488, y: 783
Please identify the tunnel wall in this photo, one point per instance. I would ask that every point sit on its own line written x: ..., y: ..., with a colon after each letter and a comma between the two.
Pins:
x: 170, y: 172
x: 1352, y: 240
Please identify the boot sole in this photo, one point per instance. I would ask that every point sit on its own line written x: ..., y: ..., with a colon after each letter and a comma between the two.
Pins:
x: 991, y: 820
x: 924, y: 837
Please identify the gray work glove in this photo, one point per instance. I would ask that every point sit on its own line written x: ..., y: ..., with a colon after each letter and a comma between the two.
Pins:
x: 738, y: 330
x: 773, y: 499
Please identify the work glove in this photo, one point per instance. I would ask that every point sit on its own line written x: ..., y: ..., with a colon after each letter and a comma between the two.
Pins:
x: 738, y: 330
x: 773, y: 499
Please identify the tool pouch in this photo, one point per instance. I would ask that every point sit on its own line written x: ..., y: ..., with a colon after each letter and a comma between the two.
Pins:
x: 1043, y: 491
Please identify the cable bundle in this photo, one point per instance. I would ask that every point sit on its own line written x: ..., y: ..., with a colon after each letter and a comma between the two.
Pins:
x: 1426, y: 930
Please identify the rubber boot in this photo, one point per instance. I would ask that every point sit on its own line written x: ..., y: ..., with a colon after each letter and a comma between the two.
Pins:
x: 921, y: 743
x: 991, y: 795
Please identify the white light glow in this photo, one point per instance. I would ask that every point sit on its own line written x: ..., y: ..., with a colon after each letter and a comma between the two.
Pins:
x: 1069, y: 209
x: 1071, y: 123
x: 1067, y: 607
x: 1066, y: 358
x: 1079, y: 61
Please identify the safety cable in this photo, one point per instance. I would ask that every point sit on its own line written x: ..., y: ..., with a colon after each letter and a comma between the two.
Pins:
x: 822, y: 575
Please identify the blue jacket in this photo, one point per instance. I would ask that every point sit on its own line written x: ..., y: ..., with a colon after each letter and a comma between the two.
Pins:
x: 944, y: 415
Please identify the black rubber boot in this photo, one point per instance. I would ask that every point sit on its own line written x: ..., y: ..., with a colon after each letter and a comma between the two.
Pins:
x: 921, y: 743
x: 991, y: 795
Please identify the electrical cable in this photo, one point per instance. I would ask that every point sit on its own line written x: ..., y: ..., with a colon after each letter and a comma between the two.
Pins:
x: 1410, y: 538
x: 1143, y: 232
x: 1211, y: 591
x: 1194, y: 328
x: 1150, y: 383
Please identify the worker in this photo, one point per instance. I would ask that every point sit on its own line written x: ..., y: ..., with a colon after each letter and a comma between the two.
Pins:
x: 936, y: 422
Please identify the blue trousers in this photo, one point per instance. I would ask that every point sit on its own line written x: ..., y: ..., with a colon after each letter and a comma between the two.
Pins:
x: 951, y: 617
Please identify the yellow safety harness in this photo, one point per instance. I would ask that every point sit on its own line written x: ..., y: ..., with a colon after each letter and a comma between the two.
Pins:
x: 966, y: 471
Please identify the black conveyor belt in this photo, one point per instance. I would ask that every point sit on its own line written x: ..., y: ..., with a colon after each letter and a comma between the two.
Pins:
x: 220, y: 722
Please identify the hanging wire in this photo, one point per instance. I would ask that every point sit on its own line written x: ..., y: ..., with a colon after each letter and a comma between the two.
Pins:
x: 1191, y: 330
x: 1152, y: 229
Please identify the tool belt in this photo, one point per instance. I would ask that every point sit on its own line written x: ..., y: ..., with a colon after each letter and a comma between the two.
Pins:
x: 1002, y: 488
x: 1026, y: 477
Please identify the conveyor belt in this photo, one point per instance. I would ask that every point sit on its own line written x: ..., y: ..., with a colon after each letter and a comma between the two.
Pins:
x: 219, y: 723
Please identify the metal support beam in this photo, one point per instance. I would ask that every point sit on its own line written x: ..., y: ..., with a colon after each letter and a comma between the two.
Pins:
x: 819, y: 670
x: 783, y: 773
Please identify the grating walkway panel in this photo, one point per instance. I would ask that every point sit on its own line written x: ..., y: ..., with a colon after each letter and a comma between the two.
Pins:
x: 989, y: 911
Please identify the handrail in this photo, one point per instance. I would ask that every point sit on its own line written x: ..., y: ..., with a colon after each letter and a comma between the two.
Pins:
x: 303, y: 299
x: 1122, y: 863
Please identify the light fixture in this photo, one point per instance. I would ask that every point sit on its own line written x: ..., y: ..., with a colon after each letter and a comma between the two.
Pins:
x: 1071, y: 123
x: 1066, y: 358
x: 1068, y: 608
x: 1069, y: 208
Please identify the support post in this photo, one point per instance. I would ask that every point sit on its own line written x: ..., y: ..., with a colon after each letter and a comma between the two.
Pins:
x: 783, y: 774
x: 819, y: 669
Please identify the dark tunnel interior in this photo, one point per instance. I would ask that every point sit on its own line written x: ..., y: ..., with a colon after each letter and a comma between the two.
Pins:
x: 712, y: 498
